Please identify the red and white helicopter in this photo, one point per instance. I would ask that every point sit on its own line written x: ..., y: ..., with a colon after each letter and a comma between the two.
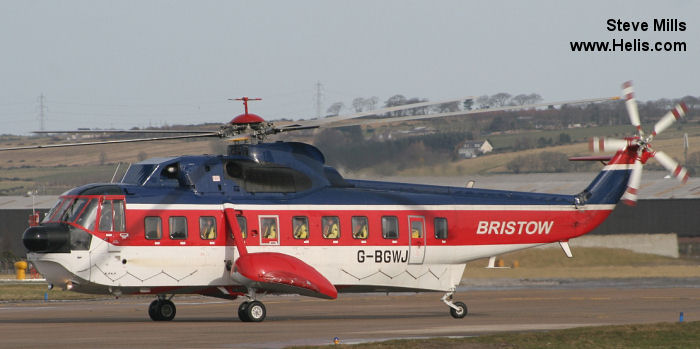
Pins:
x: 272, y: 218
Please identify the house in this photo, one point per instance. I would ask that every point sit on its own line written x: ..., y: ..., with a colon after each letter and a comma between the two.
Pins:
x: 472, y: 149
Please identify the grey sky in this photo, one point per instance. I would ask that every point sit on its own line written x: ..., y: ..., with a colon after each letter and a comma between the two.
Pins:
x: 134, y: 63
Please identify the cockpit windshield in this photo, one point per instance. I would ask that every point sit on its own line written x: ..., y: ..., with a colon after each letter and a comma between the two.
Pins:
x: 81, y: 211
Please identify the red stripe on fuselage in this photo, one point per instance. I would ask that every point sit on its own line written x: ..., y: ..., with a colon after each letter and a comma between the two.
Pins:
x: 465, y: 227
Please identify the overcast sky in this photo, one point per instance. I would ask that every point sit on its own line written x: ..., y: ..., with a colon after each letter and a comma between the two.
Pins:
x: 139, y: 63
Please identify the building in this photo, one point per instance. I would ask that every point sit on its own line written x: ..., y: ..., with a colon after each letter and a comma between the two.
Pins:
x: 472, y: 149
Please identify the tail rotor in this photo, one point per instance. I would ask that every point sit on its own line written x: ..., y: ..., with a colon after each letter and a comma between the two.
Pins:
x: 641, y: 145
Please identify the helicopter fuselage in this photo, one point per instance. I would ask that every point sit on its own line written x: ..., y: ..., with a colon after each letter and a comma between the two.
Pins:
x: 168, y: 226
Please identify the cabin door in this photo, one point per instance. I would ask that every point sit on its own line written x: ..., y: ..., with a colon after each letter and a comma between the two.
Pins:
x: 416, y: 242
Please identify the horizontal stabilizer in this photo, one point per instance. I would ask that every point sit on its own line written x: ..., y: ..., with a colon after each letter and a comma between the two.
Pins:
x: 282, y: 273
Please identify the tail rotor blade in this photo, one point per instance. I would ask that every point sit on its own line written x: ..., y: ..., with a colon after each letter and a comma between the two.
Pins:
x: 631, y: 104
x: 670, y: 117
x: 678, y: 171
x: 630, y: 196
x: 603, y: 144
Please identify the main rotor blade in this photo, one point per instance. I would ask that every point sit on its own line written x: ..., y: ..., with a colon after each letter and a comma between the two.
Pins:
x: 469, y: 112
x: 670, y: 117
x: 631, y: 105
x: 212, y: 134
x: 630, y: 195
x: 126, y: 131
x: 672, y: 166
x: 381, y: 111
x: 603, y: 144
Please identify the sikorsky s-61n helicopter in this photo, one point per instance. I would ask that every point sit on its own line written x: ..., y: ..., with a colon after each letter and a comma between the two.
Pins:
x: 272, y: 218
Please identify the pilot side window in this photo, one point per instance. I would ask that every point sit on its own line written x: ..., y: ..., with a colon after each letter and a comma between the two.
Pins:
x: 153, y: 228
x: 178, y: 227
x: 331, y: 227
x: 207, y: 228
x: 390, y: 227
x: 300, y: 226
x: 441, y: 228
x: 112, y: 215
x: 360, y: 227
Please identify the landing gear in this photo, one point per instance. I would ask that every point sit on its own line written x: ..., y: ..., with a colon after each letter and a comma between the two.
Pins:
x: 252, y: 311
x: 161, y: 309
x: 458, y: 310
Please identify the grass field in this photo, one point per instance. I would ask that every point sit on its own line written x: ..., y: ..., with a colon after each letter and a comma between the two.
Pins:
x: 662, y: 335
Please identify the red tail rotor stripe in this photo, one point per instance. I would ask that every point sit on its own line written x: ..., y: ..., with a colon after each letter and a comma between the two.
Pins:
x: 684, y: 107
x: 675, y: 113
x: 601, y: 144
x: 629, y: 96
x: 632, y: 190
x: 677, y: 171
x: 630, y: 202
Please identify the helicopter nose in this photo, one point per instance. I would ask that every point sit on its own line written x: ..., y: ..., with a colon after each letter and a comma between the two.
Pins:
x: 47, y: 238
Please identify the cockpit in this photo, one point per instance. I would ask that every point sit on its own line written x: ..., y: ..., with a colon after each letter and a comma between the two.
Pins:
x: 68, y: 224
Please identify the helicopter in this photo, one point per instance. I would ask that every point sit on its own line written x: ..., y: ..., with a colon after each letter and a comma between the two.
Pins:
x: 272, y: 218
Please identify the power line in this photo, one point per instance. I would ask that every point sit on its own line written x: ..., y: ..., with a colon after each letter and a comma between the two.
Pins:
x: 42, y: 108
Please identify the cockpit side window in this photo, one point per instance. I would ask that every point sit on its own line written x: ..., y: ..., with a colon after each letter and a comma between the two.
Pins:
x: 112, y: 215
x: 88, y: 216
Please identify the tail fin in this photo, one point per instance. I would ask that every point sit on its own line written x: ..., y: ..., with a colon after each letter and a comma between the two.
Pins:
x: 611, y: 183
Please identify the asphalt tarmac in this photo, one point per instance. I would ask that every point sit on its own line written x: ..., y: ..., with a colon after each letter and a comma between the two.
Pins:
x: 292, y: 320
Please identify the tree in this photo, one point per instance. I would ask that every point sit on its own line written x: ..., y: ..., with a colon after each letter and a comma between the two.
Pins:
x: 359, y: 104
x: 371, y: 103
x: 447, y: 107
x: 484, y: 102
x: 533, y: 98
x: 500, y: 99
x: 520, y: 99
x: 335, y: 108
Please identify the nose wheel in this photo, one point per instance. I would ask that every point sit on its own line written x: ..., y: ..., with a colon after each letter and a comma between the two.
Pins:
x: 458, y: 310
x: 161, y: 309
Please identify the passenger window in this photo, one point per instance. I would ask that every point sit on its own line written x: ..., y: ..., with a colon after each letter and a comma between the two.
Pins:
x: 178, y: 228
x: 360, y: 227
x: 269, y: 229
x: 207, y: 228
x: 300, y: 226
x: 153, y: 228
x: 331, y: 227
x: 441, y: 228
x: 243, y: 224
x: 390, y: 227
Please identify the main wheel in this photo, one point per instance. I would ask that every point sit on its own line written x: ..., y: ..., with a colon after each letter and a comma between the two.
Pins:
x: 161, y: 310
x: 153, y: 311
x: 255, y: 311
x: 242, y: 314
x: 459, y: 313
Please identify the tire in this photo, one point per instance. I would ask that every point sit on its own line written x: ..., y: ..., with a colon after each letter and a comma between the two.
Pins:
x: 166, y: 310
x: 255, y: 311
x: 242, y: 315
x: 153, y: 311
x: 458, y: 314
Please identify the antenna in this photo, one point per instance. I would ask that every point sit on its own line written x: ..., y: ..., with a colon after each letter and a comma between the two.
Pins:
x: 245, y: 101
x: 319, y: 96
